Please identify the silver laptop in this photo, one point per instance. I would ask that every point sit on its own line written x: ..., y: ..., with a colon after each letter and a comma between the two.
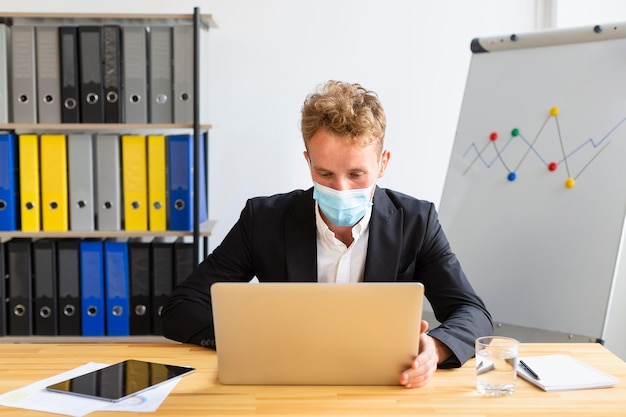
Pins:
x: 314, y: 333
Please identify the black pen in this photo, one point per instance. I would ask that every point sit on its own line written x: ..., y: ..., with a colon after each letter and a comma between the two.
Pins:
x: 529, y: 370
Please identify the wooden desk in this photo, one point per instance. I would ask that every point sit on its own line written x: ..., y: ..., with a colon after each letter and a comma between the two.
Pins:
x: 450, y: 393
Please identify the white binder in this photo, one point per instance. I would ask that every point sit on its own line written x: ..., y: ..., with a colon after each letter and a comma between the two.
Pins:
x: 4, y: 73
x: 183, y: 74
x: 108, y: 182
x: 160, y: 78
x: 81, y: 181
x: 135, y: 74
x: 23, y: 75
x: 48, y: 75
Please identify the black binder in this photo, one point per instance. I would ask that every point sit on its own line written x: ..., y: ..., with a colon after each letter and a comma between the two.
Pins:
x: 3, y: 293
x: 68, y: 287
x: 183, y: 260
x: 70, y: 97
x: 112, y: 52
x: 162, y: 272
x: 45, y: 287
x: 139, y: 277
x: 20, y: 287
x: 91, y: 64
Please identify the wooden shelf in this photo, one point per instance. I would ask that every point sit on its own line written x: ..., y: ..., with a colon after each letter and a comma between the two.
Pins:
x: 99, y: 127
x: 205, y: 230
x: 144, y: 19
x: 84, y: 339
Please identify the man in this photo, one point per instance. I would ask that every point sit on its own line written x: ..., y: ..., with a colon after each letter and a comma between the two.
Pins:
x: 343, y: 229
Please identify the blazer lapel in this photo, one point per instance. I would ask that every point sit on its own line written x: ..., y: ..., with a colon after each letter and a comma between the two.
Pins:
x: 301, y: 246
x: 385, y: 237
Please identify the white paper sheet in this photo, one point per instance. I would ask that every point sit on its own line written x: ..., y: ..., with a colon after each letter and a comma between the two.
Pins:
x: 36, y: 397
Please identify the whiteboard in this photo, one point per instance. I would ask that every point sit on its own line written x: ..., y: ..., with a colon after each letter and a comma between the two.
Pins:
x: 535, y: 194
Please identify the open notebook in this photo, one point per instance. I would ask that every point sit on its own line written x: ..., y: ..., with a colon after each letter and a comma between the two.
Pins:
x: 316, y: 334
x: 563, y: 372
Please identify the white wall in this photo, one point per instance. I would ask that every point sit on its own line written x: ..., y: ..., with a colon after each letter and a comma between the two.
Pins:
x: 572, y: 13
x: 267, y: 55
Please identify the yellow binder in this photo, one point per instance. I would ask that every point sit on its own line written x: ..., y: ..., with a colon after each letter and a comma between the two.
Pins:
x: 53, y: 169
x: 29, y: 183
x: 157, y: 212
x: 134, y: 182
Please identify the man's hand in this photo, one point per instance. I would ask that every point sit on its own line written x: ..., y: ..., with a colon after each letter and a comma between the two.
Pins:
x: 423, y: 367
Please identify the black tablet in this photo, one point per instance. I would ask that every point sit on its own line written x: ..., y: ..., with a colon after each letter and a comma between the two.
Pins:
x: 121, y: 380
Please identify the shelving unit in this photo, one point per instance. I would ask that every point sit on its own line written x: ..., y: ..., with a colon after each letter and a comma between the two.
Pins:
x: 85, y: 339
x: 205, y: 231
x: 200, y: 232
x: 97, y: 127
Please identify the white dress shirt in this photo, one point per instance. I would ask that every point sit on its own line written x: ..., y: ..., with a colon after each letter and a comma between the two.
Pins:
x: 337, y: 263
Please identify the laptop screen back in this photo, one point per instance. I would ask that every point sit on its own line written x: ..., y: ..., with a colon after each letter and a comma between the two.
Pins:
x: 316, y: 334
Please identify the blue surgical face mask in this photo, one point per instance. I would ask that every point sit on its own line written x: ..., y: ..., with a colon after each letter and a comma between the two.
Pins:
x: 343, y: 208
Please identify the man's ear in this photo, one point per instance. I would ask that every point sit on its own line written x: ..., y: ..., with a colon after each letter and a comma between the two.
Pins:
x: 384, y: 160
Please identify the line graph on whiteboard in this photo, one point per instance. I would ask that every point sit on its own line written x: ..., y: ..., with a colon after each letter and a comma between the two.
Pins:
x: 491, y: 153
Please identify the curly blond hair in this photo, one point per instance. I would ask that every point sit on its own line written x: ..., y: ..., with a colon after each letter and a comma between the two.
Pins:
x: 348, y: 110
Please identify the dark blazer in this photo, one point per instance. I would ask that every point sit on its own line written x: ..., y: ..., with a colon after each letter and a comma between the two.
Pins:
x: 275, y: 240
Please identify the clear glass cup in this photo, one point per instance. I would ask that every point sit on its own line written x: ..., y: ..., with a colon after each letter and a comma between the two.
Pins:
x: 496, y: 358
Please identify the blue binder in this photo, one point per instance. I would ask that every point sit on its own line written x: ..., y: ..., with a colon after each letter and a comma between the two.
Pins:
x: 92, y: 287
x: 8, y: 182
x: 117, y: 288
x: 181, y: 182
